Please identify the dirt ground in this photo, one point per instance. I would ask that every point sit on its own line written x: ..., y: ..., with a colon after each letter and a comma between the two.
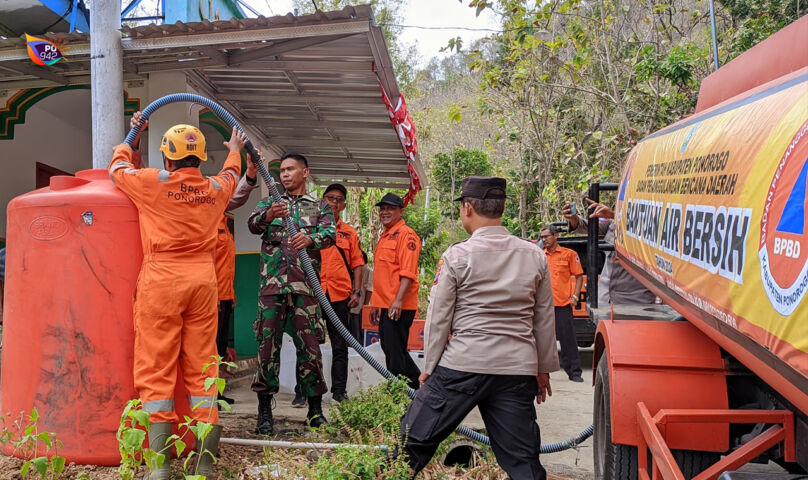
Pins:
x: 567, y: 412
x: 235, y: 462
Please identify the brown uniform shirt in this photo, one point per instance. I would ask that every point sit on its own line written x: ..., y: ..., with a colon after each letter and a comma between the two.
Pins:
x: 492, y: 292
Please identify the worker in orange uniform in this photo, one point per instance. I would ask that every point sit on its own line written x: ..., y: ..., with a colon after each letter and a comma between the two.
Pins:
x: 226, y: 262
x: 395, y: 287
x: 175, y: 301
x: 564, y: 264
x: 341, y: 277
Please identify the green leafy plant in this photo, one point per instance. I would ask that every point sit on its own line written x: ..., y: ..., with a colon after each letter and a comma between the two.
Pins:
x: 376, y: 461
x: 371, y: 418
x: 131, y: 435
x: 134, y: 427
x: 380, y: 406
x: 27, y: 440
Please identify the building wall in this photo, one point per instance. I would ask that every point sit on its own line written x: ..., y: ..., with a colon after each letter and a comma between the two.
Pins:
x: 56, y: 132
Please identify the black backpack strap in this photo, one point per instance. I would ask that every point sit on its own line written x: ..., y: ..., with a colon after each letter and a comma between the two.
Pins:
x: 345, y: 259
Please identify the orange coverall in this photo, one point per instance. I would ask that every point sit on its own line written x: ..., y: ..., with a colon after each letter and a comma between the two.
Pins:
x: 225, y: 261
x: 175, y: 306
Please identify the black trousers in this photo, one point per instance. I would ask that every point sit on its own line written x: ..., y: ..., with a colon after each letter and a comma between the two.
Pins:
x: 565, y: 333
x: 339, y: 349
x: 506, y: 405
x: 355, y: 321
x: 393, y: 335
x: 223, y: 329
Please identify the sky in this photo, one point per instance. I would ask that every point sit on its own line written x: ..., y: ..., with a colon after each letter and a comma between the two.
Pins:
x: 421, y: 13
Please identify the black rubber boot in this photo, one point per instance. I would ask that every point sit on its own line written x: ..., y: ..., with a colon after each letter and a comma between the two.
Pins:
x: 208, y: 451
x: 299, y: 400
x: 315, y: 417
x: 158, y: 438
x: 264, y: 426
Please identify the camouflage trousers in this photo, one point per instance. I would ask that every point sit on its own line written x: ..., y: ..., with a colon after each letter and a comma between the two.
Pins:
x: 299, y: 317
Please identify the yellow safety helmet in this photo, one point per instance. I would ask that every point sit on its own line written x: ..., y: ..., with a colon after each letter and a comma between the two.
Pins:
x: 181, y: 141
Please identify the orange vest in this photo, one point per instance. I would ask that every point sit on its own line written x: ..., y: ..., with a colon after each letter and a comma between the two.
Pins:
x: 333, y: 273
x: 225, y: 261
x: 564, y: 264
x: 396, y: 256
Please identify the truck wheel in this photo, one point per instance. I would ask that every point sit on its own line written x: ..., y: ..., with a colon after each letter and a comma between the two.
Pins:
x: 619, y: 462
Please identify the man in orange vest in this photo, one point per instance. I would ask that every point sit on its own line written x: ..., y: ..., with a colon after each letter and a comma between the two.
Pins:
x: 175, y: 301
x: 564, y: 264
x: 341, y: 277
x: 395, y: 287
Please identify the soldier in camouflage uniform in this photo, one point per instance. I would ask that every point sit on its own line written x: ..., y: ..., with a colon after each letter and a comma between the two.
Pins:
x: 286, y: 302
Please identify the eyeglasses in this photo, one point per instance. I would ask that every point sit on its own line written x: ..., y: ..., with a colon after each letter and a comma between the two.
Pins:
x: 331, y: 198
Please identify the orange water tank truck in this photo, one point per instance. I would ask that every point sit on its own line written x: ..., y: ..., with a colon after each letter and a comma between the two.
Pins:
x: 712, y: 216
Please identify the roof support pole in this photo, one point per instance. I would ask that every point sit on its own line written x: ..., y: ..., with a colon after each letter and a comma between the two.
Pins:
x: 106, y: 79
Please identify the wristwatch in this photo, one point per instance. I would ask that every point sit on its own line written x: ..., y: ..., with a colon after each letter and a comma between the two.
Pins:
x: 358, y: 292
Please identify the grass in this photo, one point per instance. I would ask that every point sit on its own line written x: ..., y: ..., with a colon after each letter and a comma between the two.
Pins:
x: 371, y: 417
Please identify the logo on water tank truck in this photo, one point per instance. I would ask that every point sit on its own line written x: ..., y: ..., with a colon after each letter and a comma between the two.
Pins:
x: 783, y: 230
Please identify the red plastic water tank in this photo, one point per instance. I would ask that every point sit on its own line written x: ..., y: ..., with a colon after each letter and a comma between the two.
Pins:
x: 73, y: 257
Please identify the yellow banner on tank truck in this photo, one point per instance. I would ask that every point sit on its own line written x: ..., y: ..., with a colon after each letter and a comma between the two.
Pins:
x: 714, y: 210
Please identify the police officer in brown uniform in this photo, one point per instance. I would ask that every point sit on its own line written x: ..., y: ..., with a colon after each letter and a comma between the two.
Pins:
x: 492, y: 292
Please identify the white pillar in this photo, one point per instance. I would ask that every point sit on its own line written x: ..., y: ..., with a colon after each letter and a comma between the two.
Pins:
x: 106, y: 77
x: 160, y: 85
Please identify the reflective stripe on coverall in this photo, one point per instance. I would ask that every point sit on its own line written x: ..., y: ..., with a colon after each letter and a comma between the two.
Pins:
x: 175, y: 306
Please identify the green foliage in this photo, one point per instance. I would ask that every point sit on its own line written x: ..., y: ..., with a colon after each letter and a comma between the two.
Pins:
x: 573, y: 85
x: 678, y: 67
x: 131, y: 434
x: 134, y: 427
x: 378, y: 407
x: 370, y: 418
x: 27, y: 441
x: 755, y: 20
x: 449, y: 170
x: 348, y: 462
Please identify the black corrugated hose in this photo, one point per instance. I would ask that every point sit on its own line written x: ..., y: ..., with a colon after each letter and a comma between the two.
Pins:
x: 311, y: 275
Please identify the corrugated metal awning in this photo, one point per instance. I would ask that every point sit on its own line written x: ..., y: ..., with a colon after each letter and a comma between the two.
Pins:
x: 310, y: 84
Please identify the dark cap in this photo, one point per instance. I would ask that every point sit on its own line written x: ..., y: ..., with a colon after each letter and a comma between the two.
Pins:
x: 480, y: 187
x: 391, y: 199
x: 337, y: 186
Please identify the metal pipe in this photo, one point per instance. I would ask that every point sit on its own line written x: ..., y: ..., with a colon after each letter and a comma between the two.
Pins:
x: 247, y: 442
x: 712, y: 33
x: 593, y: 245
x: 592, y: 250
x: 426, y: 204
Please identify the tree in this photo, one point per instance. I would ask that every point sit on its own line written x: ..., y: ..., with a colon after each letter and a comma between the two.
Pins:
x: 448, y: 171
x: 573, y: 85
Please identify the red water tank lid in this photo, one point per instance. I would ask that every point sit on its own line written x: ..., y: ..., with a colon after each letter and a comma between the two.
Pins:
x: 94, y: 174
x: 63, y: 182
